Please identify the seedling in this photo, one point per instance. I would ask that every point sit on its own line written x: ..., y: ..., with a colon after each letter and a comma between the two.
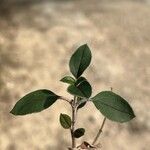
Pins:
x: 111, y: 105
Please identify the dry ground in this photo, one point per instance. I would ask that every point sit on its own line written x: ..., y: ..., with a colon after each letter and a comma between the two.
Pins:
x: 36, y: 41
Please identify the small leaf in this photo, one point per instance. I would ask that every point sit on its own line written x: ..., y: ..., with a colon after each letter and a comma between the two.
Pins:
x: 80, y: 60
x: 113, y: 106
x: 79, y: 132
x: 82, y: 104
x: 65, y: 121
x: 79, y: 80
x: 83, y: 89
x: 34, y: 102
x: 68, y: 79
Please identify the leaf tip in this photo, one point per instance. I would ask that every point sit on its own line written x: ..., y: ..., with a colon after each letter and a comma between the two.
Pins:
x: 134, y: 115
x: 13, y: 112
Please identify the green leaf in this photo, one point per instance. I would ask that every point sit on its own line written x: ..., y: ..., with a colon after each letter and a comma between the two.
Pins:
x: 68, y: 79
x: 82, y: 89
x: 113, y: 106
x: 80, y: 60
x: 65, y: 121
x: 79, y: 132
x: 79, y: 80
x: 82, y: 104
x: 34, y: 102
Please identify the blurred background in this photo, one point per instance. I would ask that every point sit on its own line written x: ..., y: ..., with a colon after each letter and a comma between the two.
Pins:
x: 37, y: 38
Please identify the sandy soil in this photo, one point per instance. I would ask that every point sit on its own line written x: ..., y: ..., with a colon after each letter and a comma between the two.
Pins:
x: 36, y: 41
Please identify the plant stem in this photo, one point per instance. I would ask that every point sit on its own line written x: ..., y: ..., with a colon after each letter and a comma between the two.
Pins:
x: 101, y: 128
x: 100, y: 131
x: 74, y: 111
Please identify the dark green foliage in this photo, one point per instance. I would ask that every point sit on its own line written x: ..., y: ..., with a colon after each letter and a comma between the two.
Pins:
x: 79, y: 80
x: 68, y: 79
x: 113, y: 106
x: 81, y: 105
x: 80, y: 60
x: 65, y: 121
x: 34, y: 102
x: 82, y: 88
x: 79, y: 132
